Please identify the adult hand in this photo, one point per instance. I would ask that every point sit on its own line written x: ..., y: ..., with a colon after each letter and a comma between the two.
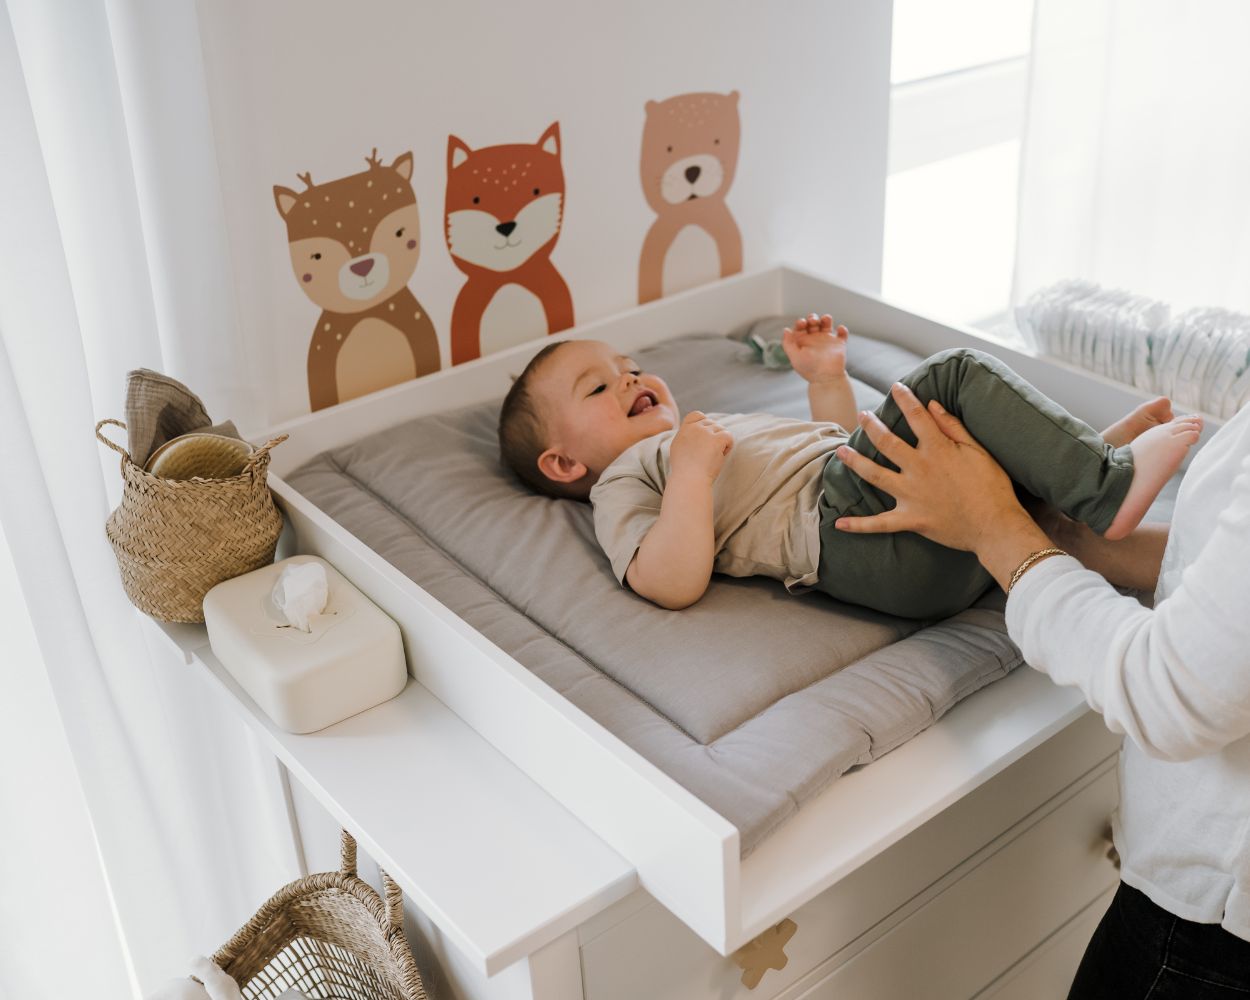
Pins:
x: 948, y: 488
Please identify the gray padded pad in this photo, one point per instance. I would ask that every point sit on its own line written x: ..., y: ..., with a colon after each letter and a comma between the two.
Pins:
x: 753, y: 699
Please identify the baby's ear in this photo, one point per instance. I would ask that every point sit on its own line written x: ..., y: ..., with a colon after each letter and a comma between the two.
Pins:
x: 560, y: 468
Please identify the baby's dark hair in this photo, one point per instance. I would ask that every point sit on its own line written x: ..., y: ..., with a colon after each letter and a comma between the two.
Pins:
x: 523, y: 434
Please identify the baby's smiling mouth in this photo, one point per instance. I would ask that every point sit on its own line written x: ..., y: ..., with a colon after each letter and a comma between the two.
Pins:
x: 644, y: 402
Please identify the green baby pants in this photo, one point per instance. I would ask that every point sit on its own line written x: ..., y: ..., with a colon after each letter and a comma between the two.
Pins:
x: 1042, y: 447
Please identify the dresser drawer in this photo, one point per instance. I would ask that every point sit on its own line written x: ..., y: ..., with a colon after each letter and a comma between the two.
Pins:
x: 640, y: 949
x: 974, y: 930
x: 1049, y: 969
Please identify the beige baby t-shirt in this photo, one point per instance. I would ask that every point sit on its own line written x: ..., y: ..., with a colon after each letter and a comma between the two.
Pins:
x: 764, y: 502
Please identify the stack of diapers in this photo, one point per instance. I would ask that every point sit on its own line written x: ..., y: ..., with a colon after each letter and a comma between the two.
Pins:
x: 1199, y: 358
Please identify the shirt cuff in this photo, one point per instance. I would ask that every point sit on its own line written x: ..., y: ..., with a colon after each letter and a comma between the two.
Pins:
x: 1025, y: 594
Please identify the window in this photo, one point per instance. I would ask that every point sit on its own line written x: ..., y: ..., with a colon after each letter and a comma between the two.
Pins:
x: 958, y: 85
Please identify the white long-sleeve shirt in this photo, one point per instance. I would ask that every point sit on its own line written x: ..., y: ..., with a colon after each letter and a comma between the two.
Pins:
x: 1176, y: 681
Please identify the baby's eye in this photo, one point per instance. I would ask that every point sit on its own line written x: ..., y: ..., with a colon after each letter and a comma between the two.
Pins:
x: 598, y: 388
x: 635, y: 371
x: 316, y: 256
x: 400, y: 231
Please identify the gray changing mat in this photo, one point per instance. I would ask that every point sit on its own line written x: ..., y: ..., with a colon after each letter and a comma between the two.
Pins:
x: 753, y: 699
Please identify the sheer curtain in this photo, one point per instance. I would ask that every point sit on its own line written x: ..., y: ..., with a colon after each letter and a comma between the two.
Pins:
x: 138, y: 815
x: 1135, y: 170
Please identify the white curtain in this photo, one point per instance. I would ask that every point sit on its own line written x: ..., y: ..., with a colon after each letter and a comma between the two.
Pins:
x: 112, y: 256
x: 1135, y: 169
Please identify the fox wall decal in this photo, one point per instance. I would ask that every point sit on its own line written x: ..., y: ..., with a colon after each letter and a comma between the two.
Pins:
x: 504, y: 210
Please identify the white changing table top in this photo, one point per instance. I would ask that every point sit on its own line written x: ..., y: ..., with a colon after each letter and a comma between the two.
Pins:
x: 494, y: 861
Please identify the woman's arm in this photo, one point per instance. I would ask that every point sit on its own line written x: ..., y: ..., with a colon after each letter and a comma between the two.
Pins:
x: 1131, y: 562
x: 1176, y: 679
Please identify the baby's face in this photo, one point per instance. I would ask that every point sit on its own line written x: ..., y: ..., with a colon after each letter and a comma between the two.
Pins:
x: 595, y: 404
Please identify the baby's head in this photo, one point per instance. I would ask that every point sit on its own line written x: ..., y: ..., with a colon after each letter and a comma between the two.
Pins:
x: 577, y: 405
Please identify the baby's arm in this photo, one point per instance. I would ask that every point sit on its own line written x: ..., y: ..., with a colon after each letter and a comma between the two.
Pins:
x: 818, y: 353
x: 673, y: 565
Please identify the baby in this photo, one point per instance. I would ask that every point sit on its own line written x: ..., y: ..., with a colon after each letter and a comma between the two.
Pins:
x: 752, y: 494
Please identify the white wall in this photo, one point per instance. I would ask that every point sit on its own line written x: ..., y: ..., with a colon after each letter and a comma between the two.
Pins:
x: 314, y: 86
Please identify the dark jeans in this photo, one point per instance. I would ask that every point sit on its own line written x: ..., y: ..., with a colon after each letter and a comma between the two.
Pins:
x: 1141, y: 952
x: 1044, y: 449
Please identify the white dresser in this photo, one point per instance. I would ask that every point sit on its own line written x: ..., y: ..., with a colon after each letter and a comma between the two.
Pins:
x: 509, y: 896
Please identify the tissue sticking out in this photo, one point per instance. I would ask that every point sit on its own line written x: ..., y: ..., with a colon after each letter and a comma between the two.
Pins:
x: 301, y: 593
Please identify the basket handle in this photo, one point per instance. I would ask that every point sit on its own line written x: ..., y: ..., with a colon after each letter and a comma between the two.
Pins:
x: 112, y: 444
x: 394, y: 903
x: 347, y: 854
x: 394, y: 895
x: 262, y: 451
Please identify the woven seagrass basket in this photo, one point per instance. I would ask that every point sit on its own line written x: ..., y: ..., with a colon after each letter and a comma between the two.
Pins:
x: 330, y: 936
x: 175, y: 539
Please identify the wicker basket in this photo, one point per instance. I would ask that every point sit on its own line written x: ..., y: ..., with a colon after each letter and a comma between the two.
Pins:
x: 329, y: 936
x: 175, y: 539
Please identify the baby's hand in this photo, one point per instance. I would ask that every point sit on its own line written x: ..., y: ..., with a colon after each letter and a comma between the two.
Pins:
x: 815, y: 349
x: 700, y: 445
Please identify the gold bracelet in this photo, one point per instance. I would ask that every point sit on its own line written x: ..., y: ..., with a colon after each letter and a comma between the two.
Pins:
x: 1034, y: 557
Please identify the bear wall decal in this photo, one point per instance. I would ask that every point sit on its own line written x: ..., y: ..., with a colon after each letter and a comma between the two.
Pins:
x: 354, y: 244
x: 504, y: 211
x: 689, y: 156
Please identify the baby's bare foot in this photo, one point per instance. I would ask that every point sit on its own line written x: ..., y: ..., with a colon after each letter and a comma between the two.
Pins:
x: 1157, y: 454
x: 1138, y: 421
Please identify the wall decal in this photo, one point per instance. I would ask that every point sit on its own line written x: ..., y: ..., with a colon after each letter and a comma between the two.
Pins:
x: 354, y: 245
x: 689, y: 156
x: 504, y: 210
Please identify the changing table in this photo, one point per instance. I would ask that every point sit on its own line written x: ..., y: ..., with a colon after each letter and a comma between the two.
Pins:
x: 973, y: 862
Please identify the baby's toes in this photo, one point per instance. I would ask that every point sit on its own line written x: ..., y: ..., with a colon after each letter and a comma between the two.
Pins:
x: 1159, y: 409
x: 1187, y: 429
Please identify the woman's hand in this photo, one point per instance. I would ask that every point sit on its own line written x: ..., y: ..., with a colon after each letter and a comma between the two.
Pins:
x: 948, y: 488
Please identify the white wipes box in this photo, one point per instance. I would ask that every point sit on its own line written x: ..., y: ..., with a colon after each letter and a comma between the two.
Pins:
x: 351, y: 659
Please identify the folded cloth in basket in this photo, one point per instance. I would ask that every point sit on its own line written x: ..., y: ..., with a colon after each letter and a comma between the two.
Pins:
x: 159, y: 409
